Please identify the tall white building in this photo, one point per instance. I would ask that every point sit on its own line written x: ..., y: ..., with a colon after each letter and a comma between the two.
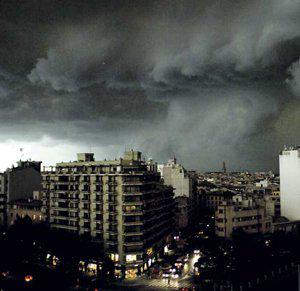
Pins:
x: 289, y: 165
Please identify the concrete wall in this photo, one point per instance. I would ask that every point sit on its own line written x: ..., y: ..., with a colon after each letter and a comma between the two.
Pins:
x: 22, y: 182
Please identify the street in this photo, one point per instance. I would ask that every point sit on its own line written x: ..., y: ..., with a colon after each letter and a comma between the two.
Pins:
x: 184, y: 281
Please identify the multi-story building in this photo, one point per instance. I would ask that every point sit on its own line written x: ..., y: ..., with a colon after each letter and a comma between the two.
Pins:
x: 243, y: 214
x: 2, y: 199
x: 272, y: 202
x: 120, y: 203
x: 213, y: 198
x: 18, y: 183
x: 289, y: 166
x: 176, y: 176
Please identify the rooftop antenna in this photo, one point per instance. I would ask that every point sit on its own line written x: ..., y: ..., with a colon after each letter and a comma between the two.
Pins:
x: 174, y: 158
x: 224, y: 167
x: 21, y: 153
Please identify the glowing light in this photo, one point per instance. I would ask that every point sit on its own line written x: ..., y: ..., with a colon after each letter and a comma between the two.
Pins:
x: 28, y: 278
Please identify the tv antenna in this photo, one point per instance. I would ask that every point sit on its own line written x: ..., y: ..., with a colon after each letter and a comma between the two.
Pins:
x: 21, y: 153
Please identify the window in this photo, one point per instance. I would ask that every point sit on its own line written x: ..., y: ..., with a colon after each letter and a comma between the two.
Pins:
x: 114, y: 257
x: 130, y: 258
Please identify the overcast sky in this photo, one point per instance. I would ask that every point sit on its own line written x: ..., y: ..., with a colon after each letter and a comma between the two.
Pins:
x: 205, y: 80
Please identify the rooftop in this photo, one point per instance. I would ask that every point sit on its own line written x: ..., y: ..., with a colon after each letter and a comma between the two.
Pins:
x: 26, y: 202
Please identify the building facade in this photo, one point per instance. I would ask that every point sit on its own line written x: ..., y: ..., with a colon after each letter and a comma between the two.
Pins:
x: 289, y: 166
x: 241, y: 214
x: 22, y: 208
x: 122, y: 204
x: 2, y: 199
x: 18, y: 183
x: 212, y: 199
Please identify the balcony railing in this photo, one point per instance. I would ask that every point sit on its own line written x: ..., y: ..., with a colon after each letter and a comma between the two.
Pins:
x: 133, y: 233
x: 132, y: 213
x: 135, y: 243
x: 133, y: 223
x: 129, y: 203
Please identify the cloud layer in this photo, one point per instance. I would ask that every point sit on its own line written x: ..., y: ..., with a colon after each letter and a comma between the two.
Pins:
x: 206, y: 80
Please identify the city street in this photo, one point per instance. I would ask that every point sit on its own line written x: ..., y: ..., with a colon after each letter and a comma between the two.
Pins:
x: 184, y: 281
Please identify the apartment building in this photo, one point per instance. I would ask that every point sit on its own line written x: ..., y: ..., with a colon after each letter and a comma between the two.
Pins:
x: 243, y: 214
x: 18, y: 183
x: 211, y: 199
x: 2, y: 199
x: 121, y: 203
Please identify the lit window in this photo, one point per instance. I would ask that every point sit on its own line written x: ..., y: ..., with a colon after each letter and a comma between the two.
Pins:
x: 130, y: 258
x: 114, y: 257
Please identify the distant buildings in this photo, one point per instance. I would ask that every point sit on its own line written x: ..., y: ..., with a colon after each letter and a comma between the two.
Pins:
x: 289, y: 165
x: 120, y: 203
x: 18, y: 183
x: 176, y: 176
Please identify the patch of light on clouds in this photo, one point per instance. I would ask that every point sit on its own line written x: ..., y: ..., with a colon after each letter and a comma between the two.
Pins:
x: 47, y: 150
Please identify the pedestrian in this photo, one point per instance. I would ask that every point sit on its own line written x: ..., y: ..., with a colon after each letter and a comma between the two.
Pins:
x: 169, y: 281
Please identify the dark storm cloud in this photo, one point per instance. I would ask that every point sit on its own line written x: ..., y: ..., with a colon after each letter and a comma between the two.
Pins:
x: 208, y: 80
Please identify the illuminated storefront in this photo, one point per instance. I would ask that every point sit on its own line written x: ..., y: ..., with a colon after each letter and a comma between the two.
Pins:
x: 90, y: 268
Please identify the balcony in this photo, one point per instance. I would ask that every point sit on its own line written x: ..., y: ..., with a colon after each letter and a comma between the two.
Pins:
x: 129, y: 203
x: 73, y: 199
x: 111, y: 242
x: 132, y: 213
x: 133, y: 243
x: 133, y: 183
x: 132, y: 193
x: 68, y: 227
x: 111, y: 193
x: 59, y: 208
x: 112, y: 222
x: 110, y: 231
x: 59, y: 217
x: 60, y: 199
x: 62, y: 183
x: 113, y: 183
x: 97, y: 182
x: 81, y: 224
x: 84, y: 199
x: 128, y: 223
x: 133, y: 233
